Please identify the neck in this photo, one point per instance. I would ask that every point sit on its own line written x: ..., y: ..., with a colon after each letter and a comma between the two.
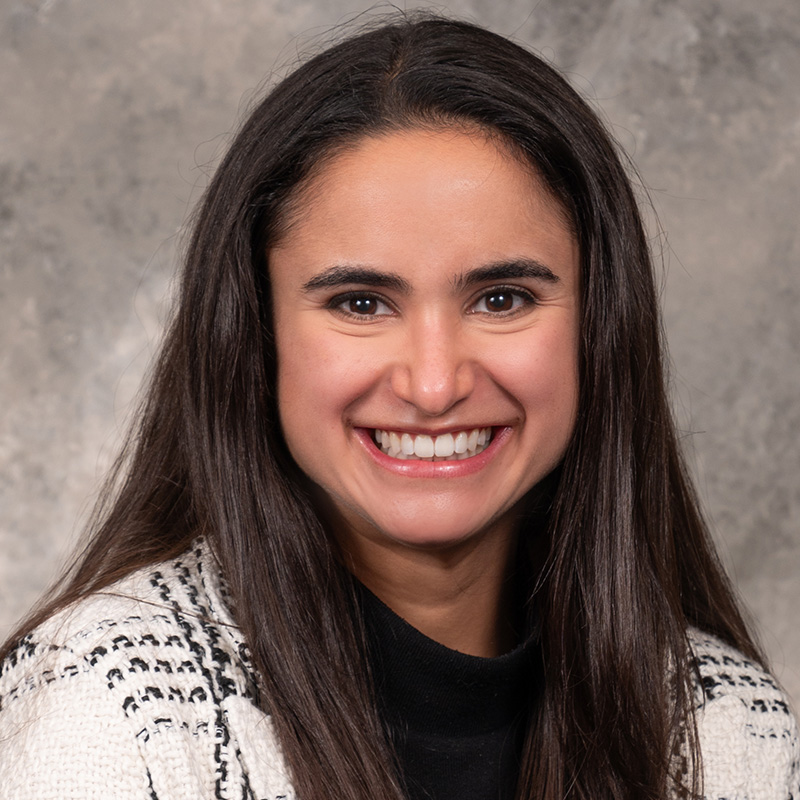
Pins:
x: 460, y: 596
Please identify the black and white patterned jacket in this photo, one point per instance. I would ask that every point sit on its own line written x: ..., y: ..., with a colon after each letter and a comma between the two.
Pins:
x: 145, y: 692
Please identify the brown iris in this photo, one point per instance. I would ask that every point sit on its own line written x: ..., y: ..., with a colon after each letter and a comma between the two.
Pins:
x: 500, y: 301
x: 363, y: 305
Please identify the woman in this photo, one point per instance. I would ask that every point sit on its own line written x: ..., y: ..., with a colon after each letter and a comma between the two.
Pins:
x: 404, y: 514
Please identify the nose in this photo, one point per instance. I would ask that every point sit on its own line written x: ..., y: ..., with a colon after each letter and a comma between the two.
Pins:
x: 433, y: 371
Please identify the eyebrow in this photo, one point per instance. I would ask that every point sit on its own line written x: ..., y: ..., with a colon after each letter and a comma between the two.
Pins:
x: 343, y: 275
x: 505, y: 270
x: 366, y: 276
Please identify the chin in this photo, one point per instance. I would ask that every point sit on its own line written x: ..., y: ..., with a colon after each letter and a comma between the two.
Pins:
x: 439, y: 531
x: 431, y: 537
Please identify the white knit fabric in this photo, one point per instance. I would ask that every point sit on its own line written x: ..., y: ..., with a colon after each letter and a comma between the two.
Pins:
x: 145, y: 692
x: 747, y: 732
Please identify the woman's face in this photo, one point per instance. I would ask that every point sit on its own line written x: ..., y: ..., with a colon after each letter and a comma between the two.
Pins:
x: 426, y: 315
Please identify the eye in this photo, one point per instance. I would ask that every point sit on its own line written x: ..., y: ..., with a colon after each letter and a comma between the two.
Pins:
x: 502, y: 301
x: 360, y: 304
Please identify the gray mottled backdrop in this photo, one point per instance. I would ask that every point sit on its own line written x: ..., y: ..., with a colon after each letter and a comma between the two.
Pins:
x: 111, y: 114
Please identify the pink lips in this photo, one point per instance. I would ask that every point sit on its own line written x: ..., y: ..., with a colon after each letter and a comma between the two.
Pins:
x: 434, y: 469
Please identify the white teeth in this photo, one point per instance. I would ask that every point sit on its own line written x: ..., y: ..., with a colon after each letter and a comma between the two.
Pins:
x: 444, y: 445
x: 423, y: 446
x: 455, y: 446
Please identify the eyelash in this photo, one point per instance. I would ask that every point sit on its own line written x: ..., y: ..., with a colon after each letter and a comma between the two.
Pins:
x: 337, y: 303
x: 516, y: 292
x: 527, y: 299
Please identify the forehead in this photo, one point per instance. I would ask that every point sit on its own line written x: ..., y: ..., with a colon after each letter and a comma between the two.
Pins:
x: 443, y: 197
x: 398, y: 157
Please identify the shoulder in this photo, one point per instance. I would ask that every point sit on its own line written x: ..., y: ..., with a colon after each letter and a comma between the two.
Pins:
x: 168, y: 619
x: 746, y: 729
x: 133, y: 687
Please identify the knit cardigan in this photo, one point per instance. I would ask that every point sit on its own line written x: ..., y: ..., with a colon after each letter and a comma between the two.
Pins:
x: 145, y: 691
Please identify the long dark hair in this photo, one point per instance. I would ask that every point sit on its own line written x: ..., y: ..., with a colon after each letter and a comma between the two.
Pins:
x: 623, y: 563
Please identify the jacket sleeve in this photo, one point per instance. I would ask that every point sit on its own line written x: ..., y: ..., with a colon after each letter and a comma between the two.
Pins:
x: 746, y: 729
x: 62, y: 735
x: 748, y: 753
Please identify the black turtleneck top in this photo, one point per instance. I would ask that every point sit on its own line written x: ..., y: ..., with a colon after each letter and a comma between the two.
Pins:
x: 456, y: 722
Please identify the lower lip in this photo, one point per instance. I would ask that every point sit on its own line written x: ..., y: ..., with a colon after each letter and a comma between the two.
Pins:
x: 434, y: 469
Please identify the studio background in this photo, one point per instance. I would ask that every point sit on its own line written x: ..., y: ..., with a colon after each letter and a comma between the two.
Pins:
x: 113, y: 114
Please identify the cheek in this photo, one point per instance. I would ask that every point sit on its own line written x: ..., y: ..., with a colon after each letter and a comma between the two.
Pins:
x: 318, y: 379
x: 542, y: 375
x: 306, y: 385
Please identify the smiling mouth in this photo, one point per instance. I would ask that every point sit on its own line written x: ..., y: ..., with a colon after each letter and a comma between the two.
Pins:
x: 455, y: 446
